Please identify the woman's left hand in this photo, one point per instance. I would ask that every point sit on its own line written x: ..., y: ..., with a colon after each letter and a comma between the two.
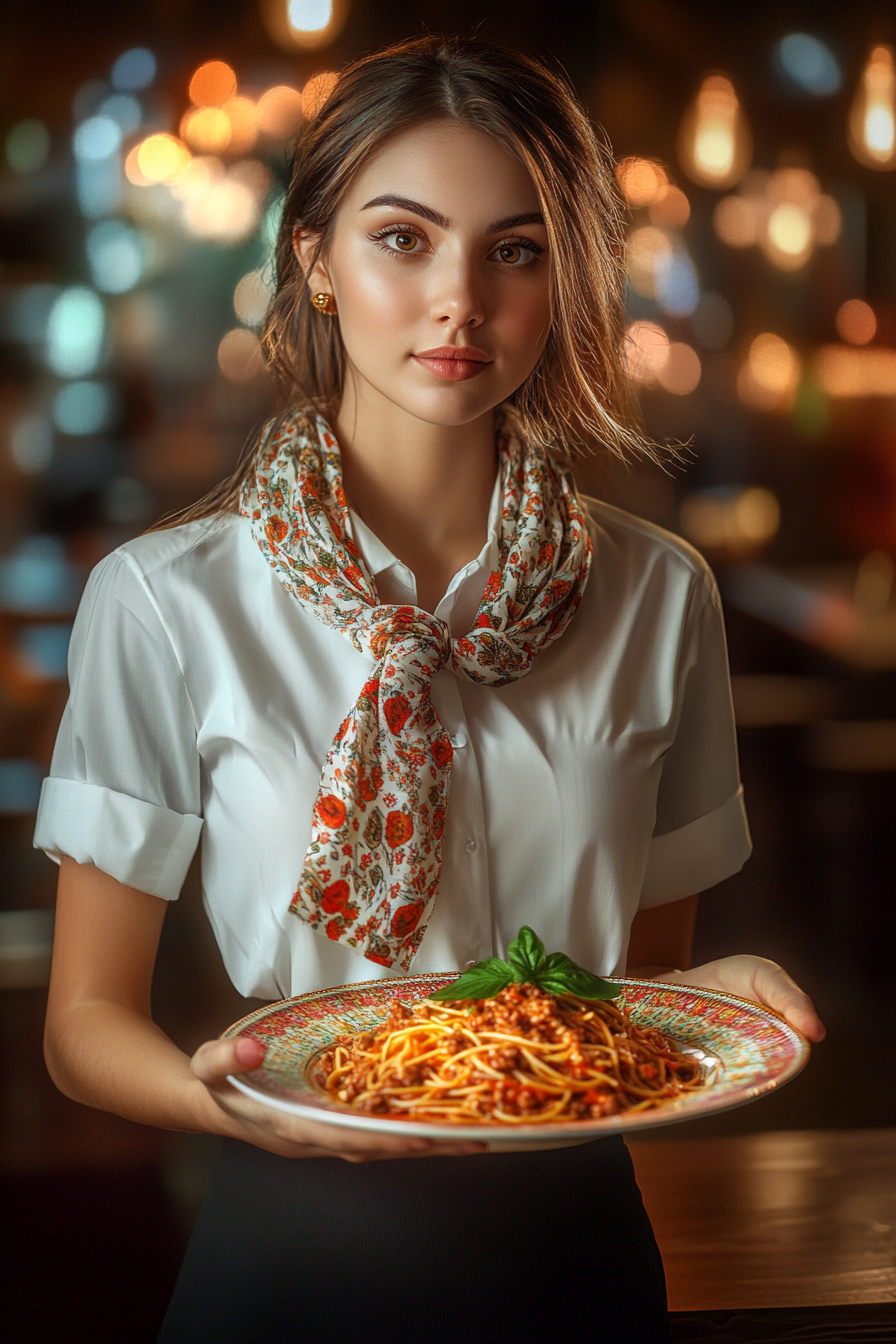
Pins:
x: 759, y: 979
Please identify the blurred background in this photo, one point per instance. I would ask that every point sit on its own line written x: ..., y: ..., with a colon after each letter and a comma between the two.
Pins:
x: 143, y: 157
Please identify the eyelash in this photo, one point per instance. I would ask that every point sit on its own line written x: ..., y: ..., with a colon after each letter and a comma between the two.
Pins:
x: 392, y: 229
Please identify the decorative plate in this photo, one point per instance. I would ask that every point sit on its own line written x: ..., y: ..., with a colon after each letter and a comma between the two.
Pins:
x: 746, y: 1051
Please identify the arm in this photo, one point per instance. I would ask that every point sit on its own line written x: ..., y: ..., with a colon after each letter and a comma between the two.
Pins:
x: 660, y: 949
x: 103, y: 1048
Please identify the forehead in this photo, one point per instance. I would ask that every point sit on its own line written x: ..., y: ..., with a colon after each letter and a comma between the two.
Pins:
x: 462, y: 173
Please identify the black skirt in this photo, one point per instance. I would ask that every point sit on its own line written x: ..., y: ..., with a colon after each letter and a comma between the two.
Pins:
x: 545, y: 1246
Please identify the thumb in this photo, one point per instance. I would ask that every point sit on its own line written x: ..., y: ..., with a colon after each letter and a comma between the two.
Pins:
x: 214, y: 1060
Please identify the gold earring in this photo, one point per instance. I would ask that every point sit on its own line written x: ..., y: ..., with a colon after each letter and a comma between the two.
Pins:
x: 324, y: 303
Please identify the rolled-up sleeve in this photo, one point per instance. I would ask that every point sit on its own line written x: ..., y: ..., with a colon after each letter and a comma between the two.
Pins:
x: 124, y: 786
x: 701, y: 834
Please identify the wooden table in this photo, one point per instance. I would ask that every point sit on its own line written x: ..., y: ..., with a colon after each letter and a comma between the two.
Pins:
x: 789, y: 1219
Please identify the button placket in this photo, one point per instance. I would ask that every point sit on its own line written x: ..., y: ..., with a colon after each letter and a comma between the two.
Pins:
x: 465, y: 858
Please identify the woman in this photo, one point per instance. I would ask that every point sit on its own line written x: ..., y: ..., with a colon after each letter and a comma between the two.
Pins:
x: 405, y: 565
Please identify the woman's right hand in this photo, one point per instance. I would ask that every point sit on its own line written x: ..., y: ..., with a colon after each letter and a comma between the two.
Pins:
x: 289, y: 1135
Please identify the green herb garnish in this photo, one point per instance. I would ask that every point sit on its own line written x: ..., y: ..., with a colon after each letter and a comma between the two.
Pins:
x: 527, y: 964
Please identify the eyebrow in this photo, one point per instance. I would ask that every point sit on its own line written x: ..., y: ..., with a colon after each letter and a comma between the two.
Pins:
x: 442, y: 221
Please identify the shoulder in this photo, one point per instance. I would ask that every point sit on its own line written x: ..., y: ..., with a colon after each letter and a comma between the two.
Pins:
x: 148, y: 572
x: 623, y: 542
x: 640, y: 566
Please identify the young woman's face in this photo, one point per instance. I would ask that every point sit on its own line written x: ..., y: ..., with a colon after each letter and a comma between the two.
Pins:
x: 440, y: 270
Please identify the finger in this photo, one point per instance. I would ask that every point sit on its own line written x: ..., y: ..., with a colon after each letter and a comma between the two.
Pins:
x: 776, y: 988
x: 214, y: 1060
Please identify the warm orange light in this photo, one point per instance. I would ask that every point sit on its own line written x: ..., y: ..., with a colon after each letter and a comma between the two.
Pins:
x: 206, y: 129
x: 239, y: 355
x: 317, y: 91
x: 279, y: 112
x: 648, y: 249
x: 243, y: 117
x: 680, y: 372
x: 740, y: 523
x: 856, y: 322
x: 872, y: 120
x: 784, y: 213
x: 160, y: 157
x: 304, y: 25
x: 737, y: 221
x: 714, y: 141
x: 212, y: 84
x: 769, y: 377
x: 646, y: 351
x: 846, y: 371
x: 132, y: 170
x: 197, y: 178
x: 672, y: 210
x: 641, y: 180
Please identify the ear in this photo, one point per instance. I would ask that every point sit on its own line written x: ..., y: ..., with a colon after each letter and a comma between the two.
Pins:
x: 305, y: 245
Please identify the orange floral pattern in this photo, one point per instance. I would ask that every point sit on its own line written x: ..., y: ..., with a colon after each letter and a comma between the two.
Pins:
x: 372, y: 869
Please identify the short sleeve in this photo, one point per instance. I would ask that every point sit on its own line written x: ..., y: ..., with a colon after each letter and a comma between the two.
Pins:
x: 701, y: 834
x: 124, y: 786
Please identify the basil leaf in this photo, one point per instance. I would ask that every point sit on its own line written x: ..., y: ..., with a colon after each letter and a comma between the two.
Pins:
x: 482, y: 981
x: 561, y: 975
x: 526, y: 954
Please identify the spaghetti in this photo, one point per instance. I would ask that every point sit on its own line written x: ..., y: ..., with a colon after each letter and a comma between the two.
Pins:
x: 522, y: 1057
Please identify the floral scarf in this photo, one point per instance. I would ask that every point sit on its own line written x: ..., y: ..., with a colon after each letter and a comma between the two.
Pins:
x: 372, y: 869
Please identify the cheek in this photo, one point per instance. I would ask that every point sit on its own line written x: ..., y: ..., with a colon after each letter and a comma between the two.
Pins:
x: 376, y: 295
x: 526, y: 320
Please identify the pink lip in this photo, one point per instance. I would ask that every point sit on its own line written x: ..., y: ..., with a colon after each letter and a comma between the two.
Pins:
x: 454, y: 363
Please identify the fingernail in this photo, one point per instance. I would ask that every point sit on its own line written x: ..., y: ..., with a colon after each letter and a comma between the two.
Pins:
x: 249, y: 1051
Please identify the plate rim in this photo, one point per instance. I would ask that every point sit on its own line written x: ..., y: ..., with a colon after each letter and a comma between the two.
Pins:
x: 582, y: 1131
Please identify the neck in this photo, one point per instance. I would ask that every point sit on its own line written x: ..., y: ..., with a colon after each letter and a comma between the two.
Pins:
x: 424, y: 489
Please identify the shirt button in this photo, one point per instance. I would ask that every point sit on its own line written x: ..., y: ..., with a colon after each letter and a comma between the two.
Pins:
x: 458, y: 740
x: 470, y: 845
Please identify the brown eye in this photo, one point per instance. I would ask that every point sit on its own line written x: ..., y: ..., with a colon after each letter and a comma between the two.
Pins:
x: 405, y: 242
x: 510, y: 252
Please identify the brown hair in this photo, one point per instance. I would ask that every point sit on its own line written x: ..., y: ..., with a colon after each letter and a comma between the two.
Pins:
x: 577, y: 396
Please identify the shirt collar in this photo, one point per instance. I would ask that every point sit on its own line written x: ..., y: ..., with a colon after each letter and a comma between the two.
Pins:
x: 392, y: 574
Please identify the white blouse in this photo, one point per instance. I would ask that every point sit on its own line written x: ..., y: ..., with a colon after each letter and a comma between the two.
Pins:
x: 204, y: 700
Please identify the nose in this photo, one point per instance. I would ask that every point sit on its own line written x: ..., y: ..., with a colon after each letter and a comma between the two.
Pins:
x: 457, y: 300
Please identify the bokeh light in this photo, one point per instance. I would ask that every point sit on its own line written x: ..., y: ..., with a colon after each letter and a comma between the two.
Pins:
x: 251, y: 298
x: 737, y: 523
x: 239, y: 355
x: 31, y: 442
x: 212, y: 84
x: 769, y: 377
x: 642, y: 181
x: 785, y: 213
x: 680, y: 372
x: 124, y: 110
x: 83, y: 407
x: 160, y: 157
x: 856, y: 322
x: 317, y: 91
x: 279, y: 112
x: 96, y: 138
x: 809, y: 64
x: 134, y: 70
x: 872, y: 120
x: 852, y: 371
x: 304, y: 25
x: 75, y: 332
x: 646, y: 351
x: 27, y: 146
x: 206, y: 129
x: 671, y: 210
x: 649, y: 249
x: 715, y: 145
x: 115, y: 253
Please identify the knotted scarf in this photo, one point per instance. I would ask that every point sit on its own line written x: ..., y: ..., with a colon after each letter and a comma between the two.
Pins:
x: 372, y: 869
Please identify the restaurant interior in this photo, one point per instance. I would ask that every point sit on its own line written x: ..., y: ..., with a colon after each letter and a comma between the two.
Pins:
x: 143, y: 157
